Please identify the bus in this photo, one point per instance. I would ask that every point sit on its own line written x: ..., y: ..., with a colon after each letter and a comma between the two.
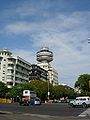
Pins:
x: 27, y: 96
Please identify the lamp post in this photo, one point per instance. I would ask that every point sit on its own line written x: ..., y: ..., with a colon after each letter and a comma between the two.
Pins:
x: 48, y: 83
x: 48, y: 93
x: 89, y: 84
x: 88, y: 40
x: 48, y: 90
x: 89, y: 80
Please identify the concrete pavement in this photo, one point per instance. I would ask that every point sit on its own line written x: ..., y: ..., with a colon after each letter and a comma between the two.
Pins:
x: 4, y: 115
x: 35, y: 117
x: 85, y: 113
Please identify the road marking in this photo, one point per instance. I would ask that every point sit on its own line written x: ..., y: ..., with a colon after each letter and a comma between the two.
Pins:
x: 85, y: 113
x: 5, y: 112
x: 38, y: 115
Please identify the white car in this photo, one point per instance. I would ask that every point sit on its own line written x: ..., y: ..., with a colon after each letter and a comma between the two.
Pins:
x: 37, y: 101
x: 83, y: 101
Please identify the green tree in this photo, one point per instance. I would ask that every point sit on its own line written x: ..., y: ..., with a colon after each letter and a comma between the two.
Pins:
x: 3, y: 89
x: 40, y: 87
x: 83, y: 82
x: 60, y: 91
x: 15, y: 91
x: 69, y: 92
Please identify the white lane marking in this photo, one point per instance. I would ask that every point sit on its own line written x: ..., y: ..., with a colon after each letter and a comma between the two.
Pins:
x: 85, y: 113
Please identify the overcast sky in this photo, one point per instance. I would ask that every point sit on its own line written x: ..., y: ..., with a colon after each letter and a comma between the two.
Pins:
x: 62, y: 25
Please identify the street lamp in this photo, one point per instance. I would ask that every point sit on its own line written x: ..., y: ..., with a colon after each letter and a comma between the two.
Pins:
x: 88, y: 40
x: 48, y: 83
x: 89, y: 84
x: 48, y: 91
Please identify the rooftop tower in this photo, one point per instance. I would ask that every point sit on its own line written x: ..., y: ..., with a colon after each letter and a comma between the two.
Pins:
x: 44, y: 55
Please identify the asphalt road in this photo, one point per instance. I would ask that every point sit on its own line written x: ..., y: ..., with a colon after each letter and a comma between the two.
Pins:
x: 55, y: 109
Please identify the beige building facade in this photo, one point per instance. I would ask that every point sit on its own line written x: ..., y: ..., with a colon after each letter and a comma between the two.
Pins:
x: 13, y: 70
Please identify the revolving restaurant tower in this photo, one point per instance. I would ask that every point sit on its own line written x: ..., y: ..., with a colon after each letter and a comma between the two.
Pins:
x: 44, y: 57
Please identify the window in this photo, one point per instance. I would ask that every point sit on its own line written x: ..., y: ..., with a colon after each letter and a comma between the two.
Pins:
x: 4, y: 66
x: 9, y: 83
x: 3, y: 72
x: 10, y: 77
x: 26, y: 92
x: 3, y: 78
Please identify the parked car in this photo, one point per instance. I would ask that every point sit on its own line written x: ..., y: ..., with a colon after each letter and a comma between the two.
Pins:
x: 83, y: 101
x: 56, y: 101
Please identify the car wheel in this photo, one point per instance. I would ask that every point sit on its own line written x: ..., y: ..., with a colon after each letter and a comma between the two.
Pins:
x: 72, y: 105
x: 84, y: 105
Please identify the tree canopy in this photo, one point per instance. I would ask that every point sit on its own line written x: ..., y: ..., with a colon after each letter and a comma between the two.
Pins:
x: 83, y: 82
x: 3, y: 89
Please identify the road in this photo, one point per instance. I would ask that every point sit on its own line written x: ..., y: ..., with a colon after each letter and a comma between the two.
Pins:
x: 46, y: 110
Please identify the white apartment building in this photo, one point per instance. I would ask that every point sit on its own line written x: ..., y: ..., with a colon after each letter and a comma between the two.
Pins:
x: 13, y: 70
x: 52, y: 73
x: 53, y: 76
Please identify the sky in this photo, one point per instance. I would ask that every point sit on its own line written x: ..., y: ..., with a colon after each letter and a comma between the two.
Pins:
x: 62, y: 25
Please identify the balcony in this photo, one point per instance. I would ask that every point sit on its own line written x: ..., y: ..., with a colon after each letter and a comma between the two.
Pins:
x: 10, y: 74
x: 22, y: 77
x: 9, y: 86
x: 10, y: 62
x: 10, y: 68
x: 9, y: 80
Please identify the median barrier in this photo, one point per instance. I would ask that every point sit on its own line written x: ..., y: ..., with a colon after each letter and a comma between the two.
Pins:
x: 5, y: 100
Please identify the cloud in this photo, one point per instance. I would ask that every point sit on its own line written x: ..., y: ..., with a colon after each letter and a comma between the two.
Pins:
x: 25, y: 54
x: 18, y: 28
x: 61, y: 23
x: 65, y: 34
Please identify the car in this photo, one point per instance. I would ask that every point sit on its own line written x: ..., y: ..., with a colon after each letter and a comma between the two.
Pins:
x: 35, y: 101
x: 56, y: 101
x: 83, y: 101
